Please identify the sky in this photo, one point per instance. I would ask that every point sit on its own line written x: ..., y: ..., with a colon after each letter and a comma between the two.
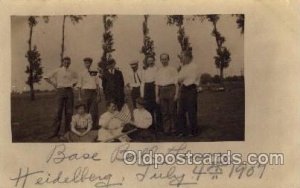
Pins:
x: 85, y: 40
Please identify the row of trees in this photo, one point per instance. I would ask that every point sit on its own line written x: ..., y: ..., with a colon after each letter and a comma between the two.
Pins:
x: 222, y: 58
x: 206, y: 78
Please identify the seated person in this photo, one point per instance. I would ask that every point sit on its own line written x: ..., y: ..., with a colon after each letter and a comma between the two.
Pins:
x: 142, y: 120
x: 112, y: 124
x: 81, y: 126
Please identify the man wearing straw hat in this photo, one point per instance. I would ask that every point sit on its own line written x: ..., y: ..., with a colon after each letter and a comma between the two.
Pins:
x: 135, y: 82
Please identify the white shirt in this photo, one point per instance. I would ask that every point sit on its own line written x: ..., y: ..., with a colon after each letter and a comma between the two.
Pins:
x: 113, y: 127
x: 105, y: 118
x: 189, y: 74
x: 86, y: 81
x: 166, y: 76
x: 149, y: 74
x: 63, y: 77
x: 135, y: 79
x: 142, y: 118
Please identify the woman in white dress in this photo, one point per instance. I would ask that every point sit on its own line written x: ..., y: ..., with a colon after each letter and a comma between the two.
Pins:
x: 112, y: 123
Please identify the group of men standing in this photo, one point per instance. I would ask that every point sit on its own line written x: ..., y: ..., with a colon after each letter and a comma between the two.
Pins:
x: 169, y: 95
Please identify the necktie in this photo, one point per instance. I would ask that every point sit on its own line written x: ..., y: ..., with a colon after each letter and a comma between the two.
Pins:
x: 135, y: 74
x: 134, y: 77
x: 138, y: 77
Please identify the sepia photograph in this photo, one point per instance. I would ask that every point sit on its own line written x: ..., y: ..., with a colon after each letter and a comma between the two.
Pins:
x: 149, y: 93
x: 127, y: 78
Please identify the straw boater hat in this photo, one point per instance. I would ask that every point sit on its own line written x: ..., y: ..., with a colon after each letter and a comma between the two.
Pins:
x: 134, y: 63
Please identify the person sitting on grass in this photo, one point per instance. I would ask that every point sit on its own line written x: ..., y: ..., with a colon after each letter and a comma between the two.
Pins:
x: 112, y: 123
x: 81, y: 126
x: 142, y: 120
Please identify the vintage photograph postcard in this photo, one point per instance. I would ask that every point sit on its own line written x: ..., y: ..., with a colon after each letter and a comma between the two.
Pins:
x: 150, y: 93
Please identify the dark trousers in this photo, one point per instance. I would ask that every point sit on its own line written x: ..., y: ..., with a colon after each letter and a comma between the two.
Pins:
x: 167, y: 107
x: 187, y: 106
x: 90, y: 99
x: 150, y: 101
x: 135, y: 94
x: 65, y: 103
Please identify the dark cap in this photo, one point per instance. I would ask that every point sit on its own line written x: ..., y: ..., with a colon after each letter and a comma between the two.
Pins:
x: 88, y: 59
x: 67, y: 58
x: 110, y: 62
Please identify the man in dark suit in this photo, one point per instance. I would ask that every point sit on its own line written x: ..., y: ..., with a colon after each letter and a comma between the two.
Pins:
x: 113, y: 84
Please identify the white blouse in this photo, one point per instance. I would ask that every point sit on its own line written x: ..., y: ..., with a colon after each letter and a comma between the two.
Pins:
x: 81, y: 121
x: 142, y: 118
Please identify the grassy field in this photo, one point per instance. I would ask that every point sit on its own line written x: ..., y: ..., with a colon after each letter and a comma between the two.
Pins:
x: 221, y: 116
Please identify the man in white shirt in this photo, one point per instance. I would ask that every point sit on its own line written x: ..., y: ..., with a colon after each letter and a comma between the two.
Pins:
x: 63, y: 80
x: 188, y: 78
x: 166, y: 93
x: 89, y: 90
x: 135, y: 82
x: 148, y: 87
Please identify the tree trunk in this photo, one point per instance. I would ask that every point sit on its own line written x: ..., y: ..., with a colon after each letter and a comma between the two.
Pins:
x: 218, y: 42
x: 221, y: 74
x: 30, y: 38
x: 32, y: 96
x: 63, y: 40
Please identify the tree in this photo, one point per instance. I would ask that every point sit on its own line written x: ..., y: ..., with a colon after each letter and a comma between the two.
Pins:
x: 108, y: 41
x: 183, y: 40
x: 148, y: 44
x: 222, y: 59
x: 240, y: 20
x: 74, y: 19
x: 216, y: 79
x: 205, y: 78
x: 34, y: 68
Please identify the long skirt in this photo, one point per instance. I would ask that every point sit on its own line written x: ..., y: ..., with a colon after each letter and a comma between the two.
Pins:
x: 91, y: 136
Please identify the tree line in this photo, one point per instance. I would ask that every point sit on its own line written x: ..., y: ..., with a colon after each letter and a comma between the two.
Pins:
x: 222, y: 58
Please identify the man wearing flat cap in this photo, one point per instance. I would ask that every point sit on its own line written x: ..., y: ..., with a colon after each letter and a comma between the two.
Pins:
x: 89, y: 90
x: 135, y: 81
x: 113, y: 84
x: 63, y: 79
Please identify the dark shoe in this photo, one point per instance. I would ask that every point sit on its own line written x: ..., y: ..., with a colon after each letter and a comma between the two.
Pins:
x: 180, y: 135
x: 195, y: 132
x: 62, y: 138
x: 167, y: 134
x: 53, y: 136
